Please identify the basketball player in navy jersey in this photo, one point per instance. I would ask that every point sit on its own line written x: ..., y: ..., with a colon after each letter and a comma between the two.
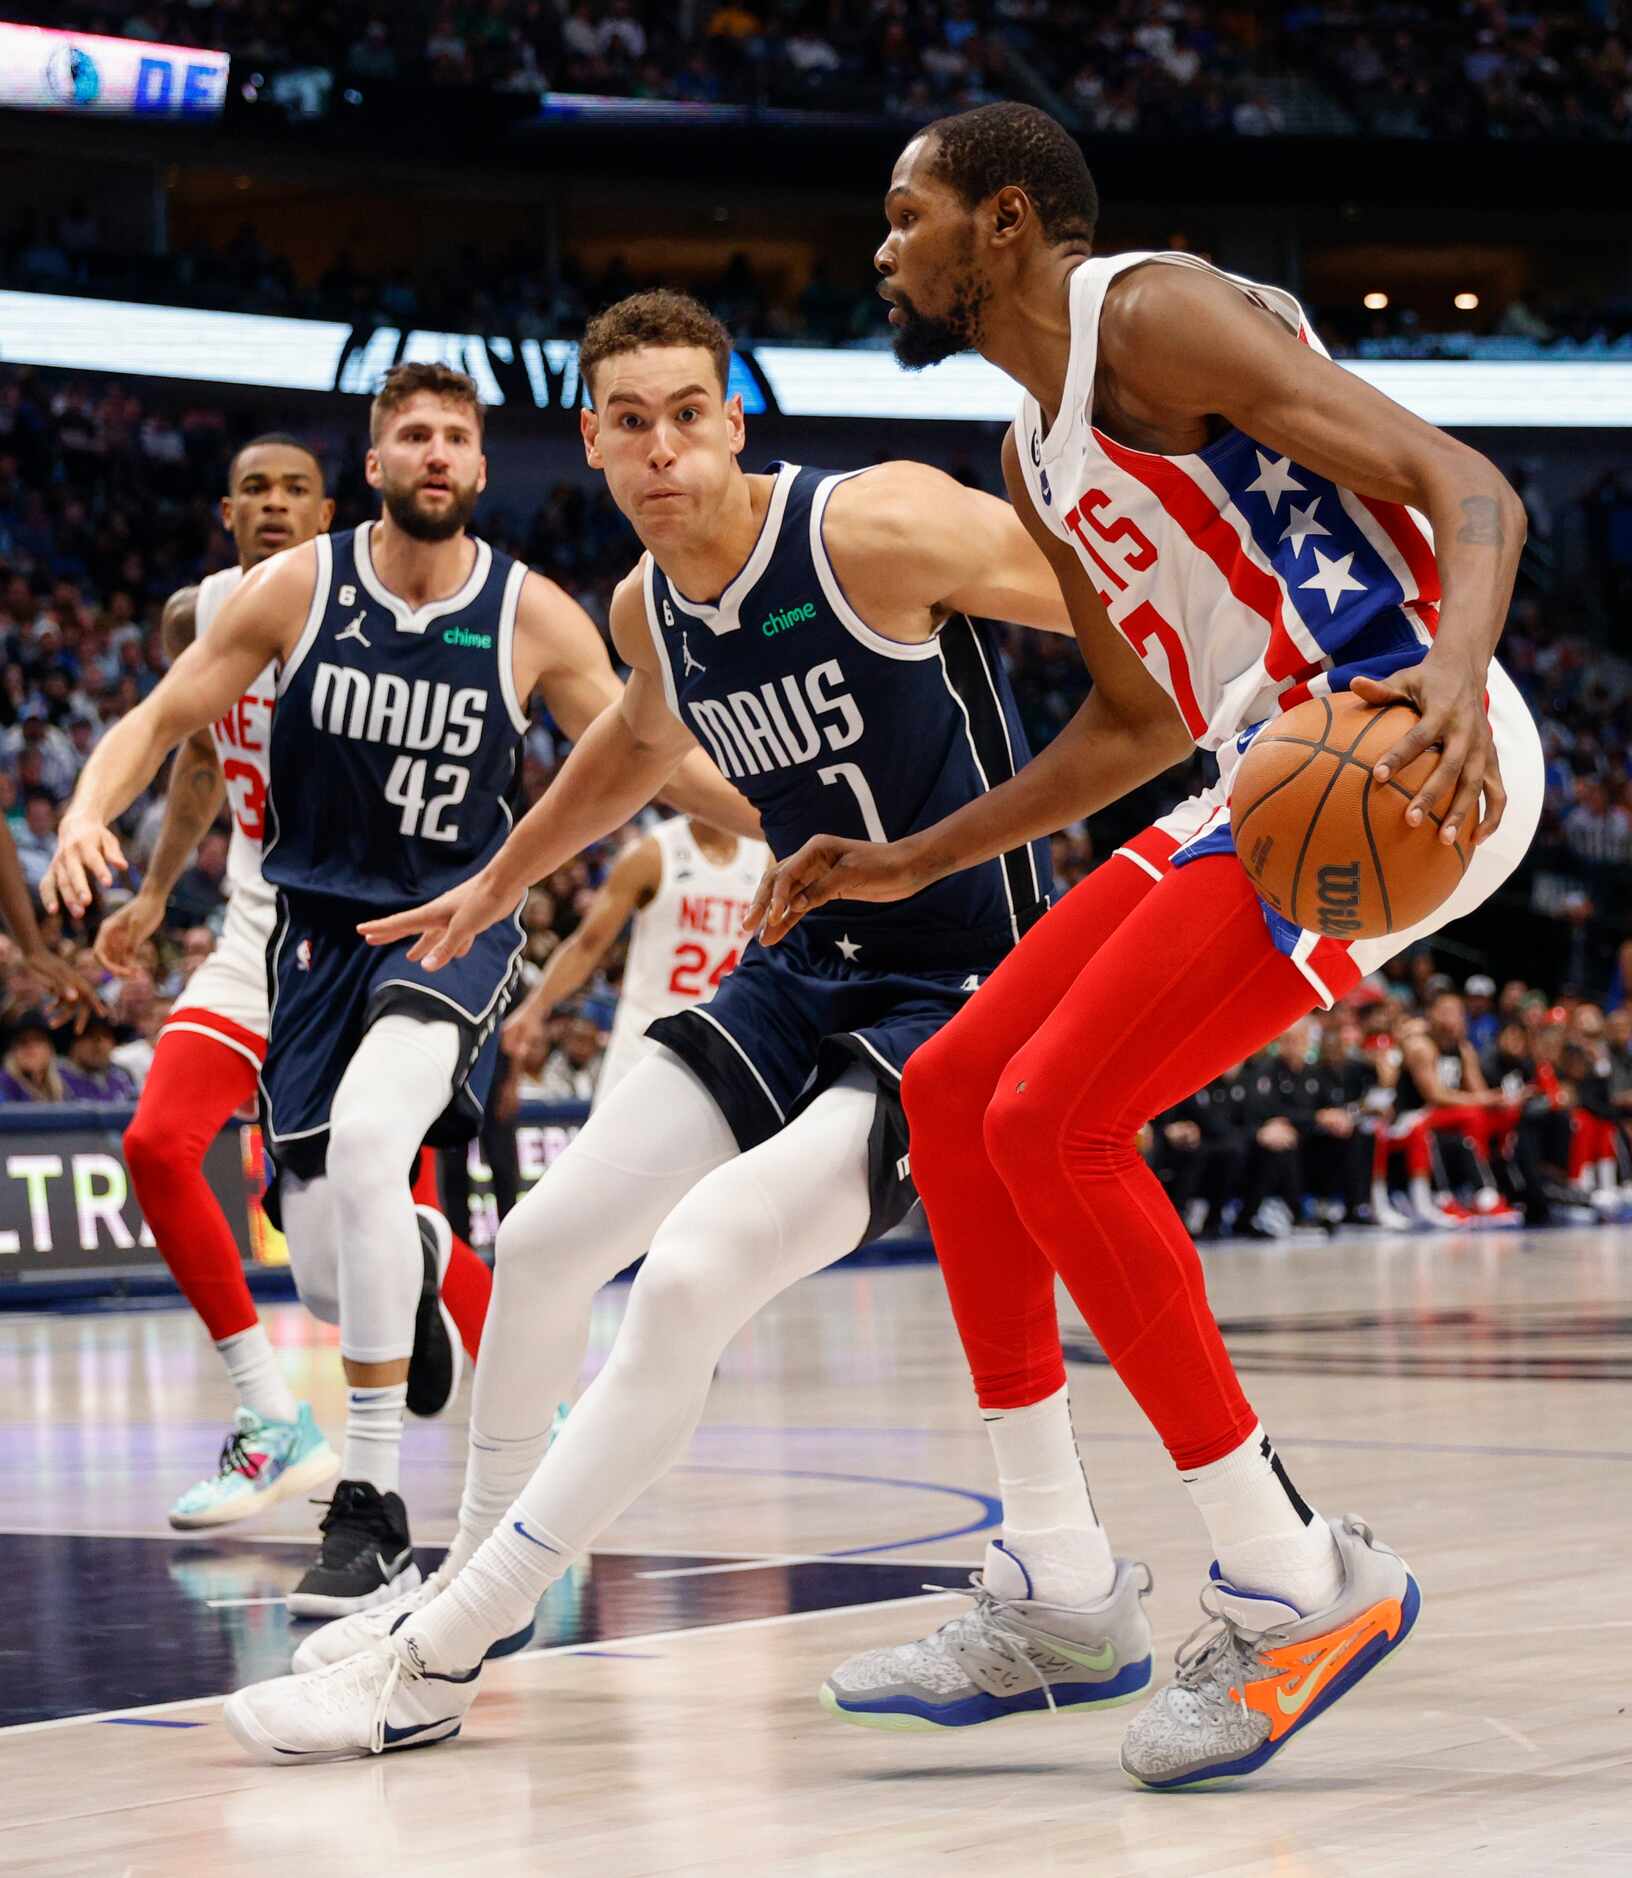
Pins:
x: 406, y: 651
x: 811, y: 629
x: 1236, y: 524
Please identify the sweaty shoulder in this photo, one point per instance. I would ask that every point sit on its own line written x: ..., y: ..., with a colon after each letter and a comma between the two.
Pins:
x: 1175, y: 337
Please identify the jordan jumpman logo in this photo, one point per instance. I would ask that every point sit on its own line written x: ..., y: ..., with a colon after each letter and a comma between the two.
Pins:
x: 691, y: 665
x: 353, y: 631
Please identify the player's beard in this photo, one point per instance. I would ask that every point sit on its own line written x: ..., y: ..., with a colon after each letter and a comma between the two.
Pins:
x: 402, y: 505
x: 925, y: 339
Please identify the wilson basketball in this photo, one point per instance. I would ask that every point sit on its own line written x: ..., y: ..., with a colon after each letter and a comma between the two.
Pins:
x: 1324, y: 842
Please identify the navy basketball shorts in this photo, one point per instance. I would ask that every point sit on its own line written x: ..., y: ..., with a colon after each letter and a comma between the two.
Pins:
x: 328, y: 985
x: 792, y: 1018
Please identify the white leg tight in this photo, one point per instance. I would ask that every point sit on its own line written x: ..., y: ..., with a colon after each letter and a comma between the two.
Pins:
x: 749, y: 1230
x: 597, y: 1210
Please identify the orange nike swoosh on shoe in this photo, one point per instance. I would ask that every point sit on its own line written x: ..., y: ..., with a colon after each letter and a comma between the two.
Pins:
x: 1303, y: 1669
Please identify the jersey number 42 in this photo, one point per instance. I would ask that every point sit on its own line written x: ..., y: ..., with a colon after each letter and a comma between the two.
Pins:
x: 405, y: 789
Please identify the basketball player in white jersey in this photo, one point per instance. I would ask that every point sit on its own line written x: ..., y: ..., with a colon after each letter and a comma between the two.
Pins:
x: 1236, y: 524
x: 686, y: 887
x: 211, y: 1046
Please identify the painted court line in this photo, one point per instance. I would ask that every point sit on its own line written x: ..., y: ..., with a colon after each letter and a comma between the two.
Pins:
x: 510, y: 1664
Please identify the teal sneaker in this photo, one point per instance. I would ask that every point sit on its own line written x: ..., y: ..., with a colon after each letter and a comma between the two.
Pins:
x: 261, y: 1463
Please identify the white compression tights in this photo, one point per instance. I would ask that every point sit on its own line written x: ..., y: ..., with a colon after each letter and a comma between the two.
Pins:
x: 656, y: 1167
x: 353, y: 1237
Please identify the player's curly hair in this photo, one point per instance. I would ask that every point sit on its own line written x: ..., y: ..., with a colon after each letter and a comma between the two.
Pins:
x: 996, y: 145
x: 403, y: 382
x: 660, y: 317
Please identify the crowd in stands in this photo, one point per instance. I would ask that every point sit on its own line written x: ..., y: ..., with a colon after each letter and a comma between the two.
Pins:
x: 1415, y: 1104
x: 1403, y: 68
x: 107, y: 503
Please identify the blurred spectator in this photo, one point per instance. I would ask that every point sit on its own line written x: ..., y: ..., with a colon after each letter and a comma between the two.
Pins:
x: 570, y: 1070
x: 29, y: 1071
x: 89, y: 1073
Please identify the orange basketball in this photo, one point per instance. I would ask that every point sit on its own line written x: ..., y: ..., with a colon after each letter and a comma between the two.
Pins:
x: 1324, y: 842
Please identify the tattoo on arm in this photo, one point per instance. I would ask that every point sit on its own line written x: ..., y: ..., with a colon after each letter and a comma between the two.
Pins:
x: 1481, y: 522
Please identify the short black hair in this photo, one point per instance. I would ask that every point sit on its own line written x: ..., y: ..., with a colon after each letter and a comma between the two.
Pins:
x: 285, y: 440
x: 996, y: 145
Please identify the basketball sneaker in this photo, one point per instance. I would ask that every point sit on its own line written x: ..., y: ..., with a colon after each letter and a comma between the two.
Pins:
x: 1258, y: 1671
x: 1009, y: 1654
x: 366, y: 1557
x: 261, y: 1463
x: 438, y: 1355
x: 368, y: 1704
x: 363, y: 1629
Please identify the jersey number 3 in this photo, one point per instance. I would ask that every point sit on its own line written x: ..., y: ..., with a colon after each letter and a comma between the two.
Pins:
x: 405, y: 790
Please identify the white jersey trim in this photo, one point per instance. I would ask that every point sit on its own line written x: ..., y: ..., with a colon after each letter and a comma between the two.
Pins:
x: 215, y: 1036
x: 985, y: 780
x: 655, y: 629
x: 1008, y: 745
x: 314, y: 613
x: 508, y: 607
x: 843, y: 611
x: 722, y: 617
x: 415, y: 619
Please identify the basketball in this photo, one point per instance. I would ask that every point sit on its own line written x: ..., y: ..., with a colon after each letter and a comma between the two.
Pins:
x: 1322, y: 840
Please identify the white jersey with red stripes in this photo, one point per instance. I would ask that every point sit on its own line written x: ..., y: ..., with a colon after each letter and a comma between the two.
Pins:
x: 1245, y: 583
x: 683, y: 941
x: 241, y: 736
x: 226, y: 998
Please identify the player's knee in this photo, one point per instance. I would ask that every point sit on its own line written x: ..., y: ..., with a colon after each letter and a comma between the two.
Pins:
x: 156, y: 1150
x: 944, y: 1090
x: 1021, y: 1131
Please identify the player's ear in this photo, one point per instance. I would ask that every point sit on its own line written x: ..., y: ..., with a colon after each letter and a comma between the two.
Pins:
x: 371, y: 468
x: 589, y: 428
x: 736, y: 428
x: 481, y: 474
x: 226, y: 513
x: 1011, y: 212
x: 325, y: 515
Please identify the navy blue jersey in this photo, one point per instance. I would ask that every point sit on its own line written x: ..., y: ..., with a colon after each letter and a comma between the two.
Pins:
x: 828, y: 727
x: 397, y: 735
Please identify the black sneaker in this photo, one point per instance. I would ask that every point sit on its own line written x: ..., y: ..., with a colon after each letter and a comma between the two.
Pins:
x: 439, y: 1357
x: 366, y: 1557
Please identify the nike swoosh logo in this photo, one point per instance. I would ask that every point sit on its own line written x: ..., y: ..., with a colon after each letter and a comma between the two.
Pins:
x: 1104, y: 1658
x: 396, y: 1565
x: 394, y: 1735
x: 532, y: 1541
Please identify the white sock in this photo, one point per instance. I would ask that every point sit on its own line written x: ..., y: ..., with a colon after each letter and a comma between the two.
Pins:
x: 1422, y: 1197
x: 493, y: 1594
x: 1049, y: 1522
x: 373, y: 1450
x: 496, y: 1470
x: 256, y: 1376
x: 1264, y: 1536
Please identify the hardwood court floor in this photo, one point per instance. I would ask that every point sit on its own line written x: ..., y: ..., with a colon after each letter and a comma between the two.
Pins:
x: 1467, y: 1395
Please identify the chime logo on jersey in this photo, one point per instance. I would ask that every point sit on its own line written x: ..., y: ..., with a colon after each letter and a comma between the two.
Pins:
x: 781, y: 723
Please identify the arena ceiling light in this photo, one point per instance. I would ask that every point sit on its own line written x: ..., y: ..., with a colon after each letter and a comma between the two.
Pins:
x: 128, y: 338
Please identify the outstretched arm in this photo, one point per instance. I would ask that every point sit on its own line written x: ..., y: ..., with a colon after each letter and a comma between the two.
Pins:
x: 570, y: 668
x: 192, y: 801
x: 614, y: 769
x: 257, y: 625
x: 634, y: 877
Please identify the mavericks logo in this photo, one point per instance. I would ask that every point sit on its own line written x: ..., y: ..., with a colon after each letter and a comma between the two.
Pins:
x: 459, y: 636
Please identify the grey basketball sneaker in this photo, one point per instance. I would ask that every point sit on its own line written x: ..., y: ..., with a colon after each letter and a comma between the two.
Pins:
x: 1258, y: 1671
x: 1008, y: 1655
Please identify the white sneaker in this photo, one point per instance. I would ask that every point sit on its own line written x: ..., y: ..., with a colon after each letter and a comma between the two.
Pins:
x: 362, y: 1630
x: 368, y: 1704
x: 347, y: 1636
